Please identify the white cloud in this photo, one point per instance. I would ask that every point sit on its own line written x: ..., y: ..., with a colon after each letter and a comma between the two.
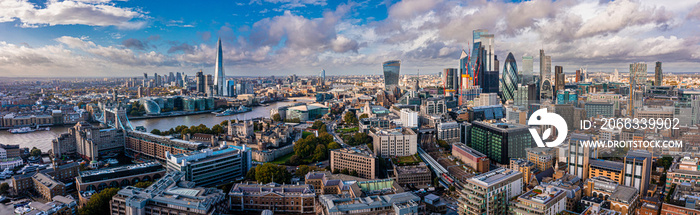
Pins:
x: 92, y: 13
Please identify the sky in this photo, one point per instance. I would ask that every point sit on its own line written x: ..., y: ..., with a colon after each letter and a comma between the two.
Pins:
x: 106, y: 38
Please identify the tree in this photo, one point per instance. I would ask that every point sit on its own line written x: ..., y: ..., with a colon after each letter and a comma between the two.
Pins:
x: 217, y: 129
x: 35, y: 152
x: 156, y: 132
x: 318, y: 124
x: 268, y: 172
x: 364, y: 115
x: 320, y: 152
x: 303, y: 169
x: 336, y: 171
x: 277, y: 117
x: 143, y: 184
x: 665, y: 162
x: 350, y: 118
x: 250, y: 175
x: 344, y: 171
x: 99, y: 203
x: 304, y: 147
x: 353, y: 173
x: 293, y: 161
x: 333, y: 145
x: 4, y: 187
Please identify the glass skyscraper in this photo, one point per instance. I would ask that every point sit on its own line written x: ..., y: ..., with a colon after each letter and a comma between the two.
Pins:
x: 527, y: 68
x: 500, y: 141
x: 219, y: 71
x: 510, y: 79
x: 391, y: 74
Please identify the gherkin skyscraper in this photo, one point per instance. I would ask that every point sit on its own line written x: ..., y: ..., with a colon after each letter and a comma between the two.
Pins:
x: 219, y: 71
x: 510, y: 79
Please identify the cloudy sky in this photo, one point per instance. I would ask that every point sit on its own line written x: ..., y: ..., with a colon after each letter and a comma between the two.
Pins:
x: 280, y: 37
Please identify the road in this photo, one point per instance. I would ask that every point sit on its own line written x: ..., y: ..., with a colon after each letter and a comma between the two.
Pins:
x: 330, y: 127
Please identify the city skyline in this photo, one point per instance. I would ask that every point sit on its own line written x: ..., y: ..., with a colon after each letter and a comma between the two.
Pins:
x: 263, y: 38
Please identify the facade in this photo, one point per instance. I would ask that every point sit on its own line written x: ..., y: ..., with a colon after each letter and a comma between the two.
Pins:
x: 170, y: 195
x: 398, y: 204
x: 684, y: 171
x: 489, y: 193
x: 604, y: 109
x: 510, y: 79
x: 542, y: 157
x: 89, y: 142
x: 121, y: 176
x: 409, y: 118
x: 540, y: 200
x: 638, y: 74
x: 609, y: 169
x: 578, y: 157
x: 658, y: 74
x: 394, y: 142
x: 545, y: 67
x: 207, y: 168
x: 451, y: 78
x: 155, y: 146
x: 307, y: 112
x: 448, y: 131
x: 527, y: 70
x: 358, y: 158
x: 292, y: 199
x: 472, y: 158
x: 418, y: 175
x: 433, y: 106
x: 327, y: 183
x: 637, y: 171
x: 47, y: 186
x: 559, y: 78
x: 500, y: 141
x: 391, y: 74
x: 622, y: 198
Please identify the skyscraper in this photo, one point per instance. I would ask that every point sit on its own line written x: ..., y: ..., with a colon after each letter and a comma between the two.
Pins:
x: 201, y: 82
x: 638, y: 74
x: 483, y: 56
x: 559, y: 78
x: 510, y: 78
x: 545, y: 67
x: 219, y: 75
x: 463, y: 61
x: 178, y: 79
x: 391, y: 74
x: 323, y: 75
x: 527, y: 68
x: 451, y: 81
x: 658, y: 74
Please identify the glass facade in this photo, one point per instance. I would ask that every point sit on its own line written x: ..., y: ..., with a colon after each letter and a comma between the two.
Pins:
x: 510, y: 79
x: 391, y: 74
x: 500, y: 142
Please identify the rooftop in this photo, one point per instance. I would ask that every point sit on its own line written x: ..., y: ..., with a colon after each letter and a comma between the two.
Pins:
x: 542, y: 195
x: 174, y: 191
x: 495, y: 176
x: 608, y: 165
x: 624, y: 194
x: 357, y: 150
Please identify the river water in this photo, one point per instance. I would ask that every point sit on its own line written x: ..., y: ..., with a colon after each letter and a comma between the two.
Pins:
x: 42, y: 139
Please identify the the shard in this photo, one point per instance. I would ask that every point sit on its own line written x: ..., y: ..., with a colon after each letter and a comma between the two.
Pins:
x: 219, y: 74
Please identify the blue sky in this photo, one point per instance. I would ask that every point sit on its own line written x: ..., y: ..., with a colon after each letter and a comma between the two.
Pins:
x: 281, y: 37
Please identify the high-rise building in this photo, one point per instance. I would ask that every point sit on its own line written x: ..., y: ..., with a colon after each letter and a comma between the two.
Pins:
x: 230, y: 88
x: 658, y: 74
x: 451, y: 81
x: 463, y: 62
x: 490, y: 193
x: 391, y: 74
x: 323, y: 75
x: 178, y: 79
x: 500, y: 141
x: 578, y: 155
x: 483, y: 55
x: 545, y: 67
x: 209, y: 167
x: 559, y: 78
x: 578, y: 76
x: 638, y: 74
x: 637, y: 171
x: 219, y: 74
x: 510, y: 79
x: 201, y: 82
x: 527, y: 67
x: 488, y: 81
x: 409, y: 118
x: 394, y: 142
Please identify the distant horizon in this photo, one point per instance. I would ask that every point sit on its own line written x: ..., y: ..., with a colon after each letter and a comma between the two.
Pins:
x: 267, y: 37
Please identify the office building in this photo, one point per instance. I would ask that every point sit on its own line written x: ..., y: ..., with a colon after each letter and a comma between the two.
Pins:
x: 448, y: 131
x: 527, y: 70
x: 172, y: 194
x: 433, y: 106
x: 307, y: 112
x: 154, y: 146
x: 683, y: 200
x: 394, y: 142
x: 230, y: 88
x: 409, y: 118
x: 288, y: 198
x: 510, y: 79
x: 207, y: 167
x: 219, y: 75
x: 638, y: 170
x: 490, y: 193
x: 604, y: 168
x: 359, y: 159
x: 638, y: 74
x: 543, y: 157
x: 88, y: 141
x: 470, y: 157
x: 521, y: 98
x: 416, y: 175
x: 486, y: 99
x: 546, y: 90
x: 500, y: 142
x: 540, y: 200
x: 391, y: 74
x: 120, y: 176
x: 624, y: 199
x: 405, y: 203
x: 451, y: 78
x: 578, y: 78
x: 595, y: 109
x: 578, y: 155
x: 545, y: 67
x: 559, y: 78
x: 685, y: 170
x: 658, y: 74
x: 201, y: 82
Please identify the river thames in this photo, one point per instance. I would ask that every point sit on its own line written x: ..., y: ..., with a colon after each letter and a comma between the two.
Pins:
x: 42, y: 139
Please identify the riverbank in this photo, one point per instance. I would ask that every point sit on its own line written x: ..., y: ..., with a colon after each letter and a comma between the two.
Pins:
x: 170, y: 115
